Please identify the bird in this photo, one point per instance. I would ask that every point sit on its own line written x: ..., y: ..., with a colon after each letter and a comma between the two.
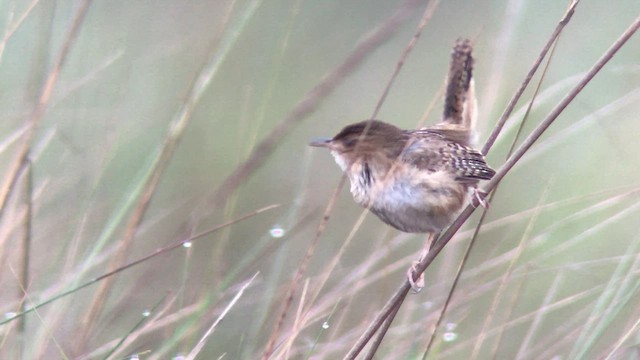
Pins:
x: 418, y: 180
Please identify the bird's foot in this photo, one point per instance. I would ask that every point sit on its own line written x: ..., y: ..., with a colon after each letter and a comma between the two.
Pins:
x: 418, y: 284
x: 480, y: 196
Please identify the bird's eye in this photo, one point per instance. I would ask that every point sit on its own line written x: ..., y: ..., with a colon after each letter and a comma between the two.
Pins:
x: 351, y: 142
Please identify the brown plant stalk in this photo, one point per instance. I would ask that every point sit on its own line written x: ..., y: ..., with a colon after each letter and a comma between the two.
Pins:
x: 44, y: 99
x: 516, y: 97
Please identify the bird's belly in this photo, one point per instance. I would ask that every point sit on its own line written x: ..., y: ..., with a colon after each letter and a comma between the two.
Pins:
x: 416, y: 202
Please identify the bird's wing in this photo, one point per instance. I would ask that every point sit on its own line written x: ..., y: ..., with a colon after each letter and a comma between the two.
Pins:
x: 435, y: 150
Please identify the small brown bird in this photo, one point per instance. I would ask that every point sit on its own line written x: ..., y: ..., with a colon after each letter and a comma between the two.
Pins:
x: 416, y: 180
x: 413, y: 180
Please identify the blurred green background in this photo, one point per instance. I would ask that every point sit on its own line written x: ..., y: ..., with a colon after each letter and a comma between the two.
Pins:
x: 567, y: 215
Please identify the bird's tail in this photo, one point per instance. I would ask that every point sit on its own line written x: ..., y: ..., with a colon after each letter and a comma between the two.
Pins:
x: 460, y: 101
x: 460, y: 104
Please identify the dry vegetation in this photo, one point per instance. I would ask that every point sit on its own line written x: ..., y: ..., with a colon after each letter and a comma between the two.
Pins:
x: 158, y: 199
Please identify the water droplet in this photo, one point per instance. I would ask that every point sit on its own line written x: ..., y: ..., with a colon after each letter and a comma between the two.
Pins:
x: 325, y: 325
x: 451, y: 326
x: 9, y: 315
x: 276, y: 232
x: 134, y: 357
x: 187, y: 244
x: 146, y: 313
x: 178, y: 357
x: 449, y: 336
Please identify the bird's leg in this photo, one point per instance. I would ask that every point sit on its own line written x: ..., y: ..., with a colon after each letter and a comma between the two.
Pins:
x: 418, y: 284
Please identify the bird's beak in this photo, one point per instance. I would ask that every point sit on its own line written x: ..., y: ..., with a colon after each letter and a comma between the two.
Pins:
x: 321, y: 142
